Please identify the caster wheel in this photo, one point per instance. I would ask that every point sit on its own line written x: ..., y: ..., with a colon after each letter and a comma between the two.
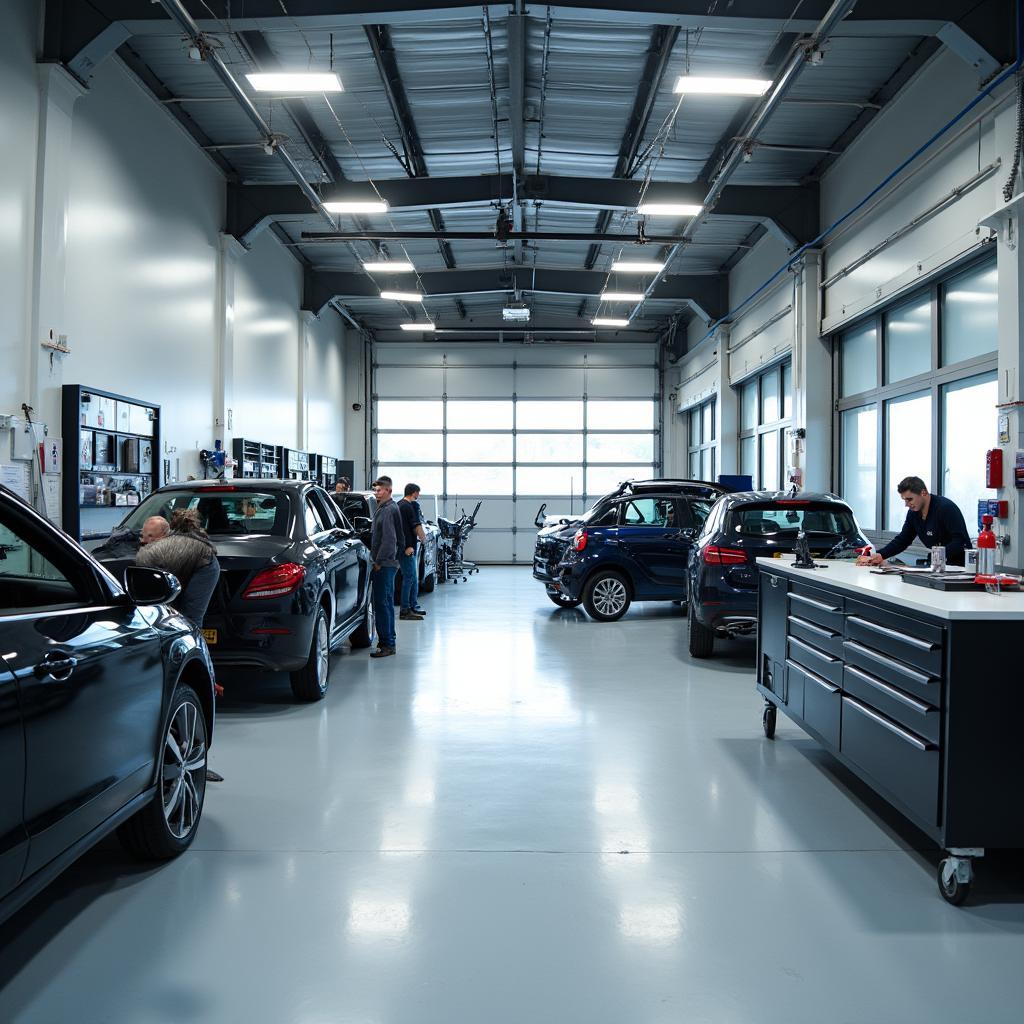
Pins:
x: 768, y: 721
x: 953, y: 889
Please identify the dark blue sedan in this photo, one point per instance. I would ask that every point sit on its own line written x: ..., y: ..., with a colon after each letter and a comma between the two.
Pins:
x: 634, y: 545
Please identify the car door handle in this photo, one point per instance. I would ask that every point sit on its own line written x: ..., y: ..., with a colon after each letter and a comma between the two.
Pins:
x: 55, y: 666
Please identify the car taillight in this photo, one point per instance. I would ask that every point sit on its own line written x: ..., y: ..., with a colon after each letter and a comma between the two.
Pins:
x: 579, y: 542
x: 724, y: 556
x: 275, y: 582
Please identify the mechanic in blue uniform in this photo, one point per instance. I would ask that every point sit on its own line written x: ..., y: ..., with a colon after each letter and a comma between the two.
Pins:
x: 931, y: 519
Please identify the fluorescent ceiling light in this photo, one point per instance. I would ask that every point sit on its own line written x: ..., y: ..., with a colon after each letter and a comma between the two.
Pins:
x: 608, y: 321
x: 518, y: 312
x: 428, y: 326
x: 297, y: 81
x: 722, y: 86
x: 670, y: 209
x: 622, y: 297
x: 389, y: 267
x: 637, y: 267
x: 402, y: 296
x: 357, y: 206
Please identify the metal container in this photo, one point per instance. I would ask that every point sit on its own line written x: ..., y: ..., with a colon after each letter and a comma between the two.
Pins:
x: 986, y: 561
x: 938, y: 558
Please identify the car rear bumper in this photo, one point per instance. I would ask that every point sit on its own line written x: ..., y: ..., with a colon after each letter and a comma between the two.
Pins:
x: 278, y: 643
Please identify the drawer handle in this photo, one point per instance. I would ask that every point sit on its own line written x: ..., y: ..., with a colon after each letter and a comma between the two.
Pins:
x: 814, y: 650
x: 909, y: 737
x: 812, y: 627
x: 915, y: 705
x: 924, y: 645
x: 816, y: 604
x: 814, y: 678
x: 918, y: 677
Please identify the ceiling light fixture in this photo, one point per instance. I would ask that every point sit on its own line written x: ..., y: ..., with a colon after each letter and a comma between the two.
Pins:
x: 356, y: 206
x: 402, y: 296
x: 622, y: 297
x: 608, y: 321
x: 297, y: 81
x: 670, y: 209
x: 517, y: 312
x: 428, y: 326
x: 389, y: 267
x: 709, y: 86
x: 637, y: 267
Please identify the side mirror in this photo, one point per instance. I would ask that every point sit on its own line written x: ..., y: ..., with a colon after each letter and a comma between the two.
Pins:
x: 150, y: 586
x: 361, y: 524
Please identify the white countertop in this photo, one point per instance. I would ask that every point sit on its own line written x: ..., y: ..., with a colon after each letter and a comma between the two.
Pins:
x: 861, y: 582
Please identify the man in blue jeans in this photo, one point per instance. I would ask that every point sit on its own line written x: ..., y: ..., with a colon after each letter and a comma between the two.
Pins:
x: 412, y: 525
x: 385, y: 538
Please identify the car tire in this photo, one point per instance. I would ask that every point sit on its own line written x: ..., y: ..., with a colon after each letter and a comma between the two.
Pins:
x: 363, y: 635
x: 310, y: 682
x: 562, y: 601
x: 606, y: 596
x: 429, y: 582
x: 166, y: 826
x: 701, y: 639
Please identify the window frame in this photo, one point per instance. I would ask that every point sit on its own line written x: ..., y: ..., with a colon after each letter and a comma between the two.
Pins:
x: 702, y: 444
x: 933, y: 381
x: 762, y: 427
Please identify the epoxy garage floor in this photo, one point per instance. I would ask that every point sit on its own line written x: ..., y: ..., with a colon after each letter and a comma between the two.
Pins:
x: 525, y: 816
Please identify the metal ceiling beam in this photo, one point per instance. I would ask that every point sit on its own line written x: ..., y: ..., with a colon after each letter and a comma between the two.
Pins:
x: 470, y: 236
x: 792, y: 209
x: 264, y: 60
x: 707, y: 293
x: 515, y: 32
x: 663, y: 39
x: 379, y: 38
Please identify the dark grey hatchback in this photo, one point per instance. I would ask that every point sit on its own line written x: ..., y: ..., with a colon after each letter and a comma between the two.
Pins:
x: 106, y: 708
x: 747, y: 525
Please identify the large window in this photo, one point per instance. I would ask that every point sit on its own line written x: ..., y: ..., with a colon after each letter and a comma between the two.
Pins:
x: 702, y: 433
x: 535, y: 448
x: 933, y: 413
x: 766, y: 411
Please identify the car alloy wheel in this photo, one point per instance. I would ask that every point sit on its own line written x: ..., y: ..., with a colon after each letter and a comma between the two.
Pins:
x: 323, y: 652
x: 609, y: 595
x: 184, y: 774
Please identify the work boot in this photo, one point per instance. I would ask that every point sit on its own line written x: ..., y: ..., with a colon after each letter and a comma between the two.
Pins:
x: 410, y: 615
x: 383, y: 652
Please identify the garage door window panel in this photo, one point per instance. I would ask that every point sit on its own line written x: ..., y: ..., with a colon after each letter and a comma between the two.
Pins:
x: 620, y: 447
x: 548, y: 480
x: 410, y: 447
x: 395, y: 415
x: 480, y: 415
x: 479, y: 448
x: 632, y: 415
x: 549, y: 415
x: 549, y: 448
x: 482, y: 480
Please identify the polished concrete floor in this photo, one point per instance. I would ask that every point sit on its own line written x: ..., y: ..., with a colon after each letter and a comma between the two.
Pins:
x: 524, y: 817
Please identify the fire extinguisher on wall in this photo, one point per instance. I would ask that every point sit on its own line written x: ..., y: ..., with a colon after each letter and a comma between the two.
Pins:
x: 994, y: 467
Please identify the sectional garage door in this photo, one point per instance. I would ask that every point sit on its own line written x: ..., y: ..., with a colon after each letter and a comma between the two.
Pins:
x: 513, y: 427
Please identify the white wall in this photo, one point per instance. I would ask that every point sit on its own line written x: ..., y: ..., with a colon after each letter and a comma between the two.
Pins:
x: 144, y: 213
x: 19, y: 115
x: 143, y: 294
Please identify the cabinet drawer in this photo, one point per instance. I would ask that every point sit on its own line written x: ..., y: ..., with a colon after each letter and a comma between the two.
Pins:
x: 901, y: 707
x: 913, y: 643
x: 822, y: 703
x: 817, y: 636
x: 814, y: 660
x: 794, y: 694
x: 819, y: 606
x: 897, y: 759
x: 912, y: 680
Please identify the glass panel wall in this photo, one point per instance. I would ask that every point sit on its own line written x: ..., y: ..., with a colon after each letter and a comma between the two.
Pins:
x: 701, y: 442
x: 766, y: 410
x: 859, y: 462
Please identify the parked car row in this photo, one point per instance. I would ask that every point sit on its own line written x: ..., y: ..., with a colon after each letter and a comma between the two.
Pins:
x: 687, y: 541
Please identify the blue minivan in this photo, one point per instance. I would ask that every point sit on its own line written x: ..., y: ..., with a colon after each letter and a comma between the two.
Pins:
x: 633, y: 545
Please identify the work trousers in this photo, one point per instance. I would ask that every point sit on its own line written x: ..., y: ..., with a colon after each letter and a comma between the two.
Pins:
x: 410, y: 581
x: 383, y: 581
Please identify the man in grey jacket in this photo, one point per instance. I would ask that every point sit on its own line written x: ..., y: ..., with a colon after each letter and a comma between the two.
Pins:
x: 385, y: 538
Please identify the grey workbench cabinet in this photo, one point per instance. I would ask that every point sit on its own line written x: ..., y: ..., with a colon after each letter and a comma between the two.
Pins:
x: 916, y: 691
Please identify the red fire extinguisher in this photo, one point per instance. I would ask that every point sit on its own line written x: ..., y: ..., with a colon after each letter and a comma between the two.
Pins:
x: 986, y: 552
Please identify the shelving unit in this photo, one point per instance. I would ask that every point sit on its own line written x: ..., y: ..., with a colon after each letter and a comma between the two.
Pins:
x: 111, y: 458
x: 256, y: 460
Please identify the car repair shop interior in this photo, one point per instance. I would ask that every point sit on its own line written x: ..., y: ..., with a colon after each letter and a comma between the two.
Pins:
x: 695, y: 327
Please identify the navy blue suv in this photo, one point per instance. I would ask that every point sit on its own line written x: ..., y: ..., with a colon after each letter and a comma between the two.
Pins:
x: 757, y: 524
x: 633, y: 545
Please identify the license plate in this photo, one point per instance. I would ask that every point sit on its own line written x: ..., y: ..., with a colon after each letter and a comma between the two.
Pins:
x: 210, y: 636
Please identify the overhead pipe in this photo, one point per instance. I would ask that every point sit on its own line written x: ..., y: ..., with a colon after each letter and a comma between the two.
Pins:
x: 176, y: 11
x: 776, y: 94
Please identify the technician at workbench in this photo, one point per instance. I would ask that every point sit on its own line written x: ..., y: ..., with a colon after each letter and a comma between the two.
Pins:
x: 932, y: 519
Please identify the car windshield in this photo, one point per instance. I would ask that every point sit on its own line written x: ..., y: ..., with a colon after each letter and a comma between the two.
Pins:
x: 221, y: 512
x: 785, y: 521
